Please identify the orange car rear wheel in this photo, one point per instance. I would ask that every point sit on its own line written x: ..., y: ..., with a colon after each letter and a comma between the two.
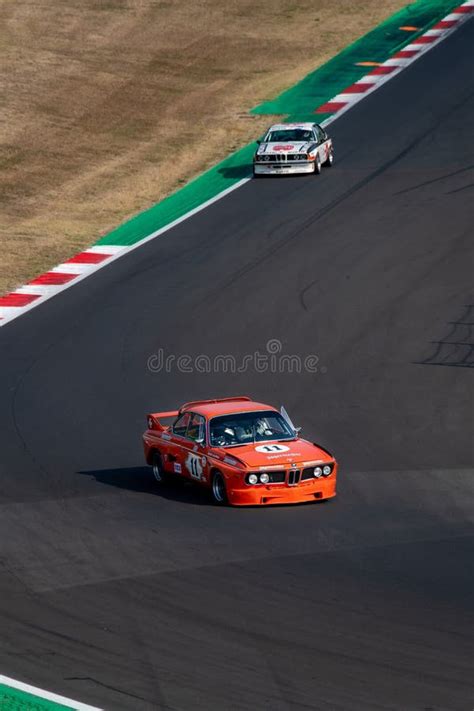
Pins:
x: 157, y: 468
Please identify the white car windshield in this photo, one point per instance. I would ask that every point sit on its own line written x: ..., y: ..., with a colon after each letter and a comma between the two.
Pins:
x: 289, y: 134
x: 248, y: 427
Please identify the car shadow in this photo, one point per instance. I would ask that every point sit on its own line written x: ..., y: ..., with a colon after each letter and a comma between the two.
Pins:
x: 245, y: 171
x: 236, y: 171
x: 140, y: 479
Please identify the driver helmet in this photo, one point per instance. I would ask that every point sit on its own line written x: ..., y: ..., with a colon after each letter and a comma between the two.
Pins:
x: 261, y: 427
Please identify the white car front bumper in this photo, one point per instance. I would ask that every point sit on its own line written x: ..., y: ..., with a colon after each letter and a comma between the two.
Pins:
x: 261, y: 168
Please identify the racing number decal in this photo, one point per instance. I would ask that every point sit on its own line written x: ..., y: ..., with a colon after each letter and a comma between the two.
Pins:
x: 194, y: 466
x: 271, y: 448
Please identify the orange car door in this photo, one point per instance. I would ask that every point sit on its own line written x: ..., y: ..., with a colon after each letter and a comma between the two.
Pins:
x: 194, y: 450
x: 176, y: 446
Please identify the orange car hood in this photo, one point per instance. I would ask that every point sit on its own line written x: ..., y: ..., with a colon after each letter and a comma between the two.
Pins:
x: 266, y: 454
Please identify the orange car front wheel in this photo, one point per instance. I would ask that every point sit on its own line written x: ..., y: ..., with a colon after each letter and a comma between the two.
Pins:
x: 218, y: 489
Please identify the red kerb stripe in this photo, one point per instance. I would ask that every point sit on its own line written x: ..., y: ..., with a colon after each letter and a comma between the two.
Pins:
x: 463, y: 9
x: 53, y: 278
x: 405, y: 53
x: 357, y: 88
x: 88, y: 258
x: 445, y: 24
x: 382, y: 70
x: 18, y: 299
x: 330, y: 107
x: 425, y: 39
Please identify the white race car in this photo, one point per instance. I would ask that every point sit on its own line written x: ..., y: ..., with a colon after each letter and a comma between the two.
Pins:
x: 293, y: 148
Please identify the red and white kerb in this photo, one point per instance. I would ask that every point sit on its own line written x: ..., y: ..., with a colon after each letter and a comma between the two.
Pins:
x: 386, y: 70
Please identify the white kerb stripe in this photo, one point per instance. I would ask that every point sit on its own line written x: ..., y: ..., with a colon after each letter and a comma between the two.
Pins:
x: 105, y: 249
x: 413, y: 48
x: 400, y: 62
x: 370, y: 79
x: 342, y: 98
x: 76, y: 268
x: 36, y: 289
x: 7, y: 312
x: 76, y: 705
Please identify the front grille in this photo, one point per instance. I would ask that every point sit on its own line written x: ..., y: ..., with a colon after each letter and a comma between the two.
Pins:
x: 273, y: 158
x: 293, y: 477
x: 277, y: 477
x: 269, y: 158
x: 307, y: 474
x: 281, y: 157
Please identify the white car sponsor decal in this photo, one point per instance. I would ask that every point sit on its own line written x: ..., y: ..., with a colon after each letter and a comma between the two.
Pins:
x: 194, y: 466
x: 177, y: 468
x: 272, y: 448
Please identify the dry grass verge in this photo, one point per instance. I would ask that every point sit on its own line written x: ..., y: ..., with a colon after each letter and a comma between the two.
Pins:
x: 109, y: 105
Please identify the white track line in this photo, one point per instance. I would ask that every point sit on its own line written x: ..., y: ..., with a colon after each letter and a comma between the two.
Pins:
x: 8, y: 314
x: 47, y: 695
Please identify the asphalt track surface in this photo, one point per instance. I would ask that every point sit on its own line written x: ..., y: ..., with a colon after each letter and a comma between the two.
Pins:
x: 123, y: 596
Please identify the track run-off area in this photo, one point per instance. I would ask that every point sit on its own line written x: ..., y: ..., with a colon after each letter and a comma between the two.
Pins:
x: 129, y: 597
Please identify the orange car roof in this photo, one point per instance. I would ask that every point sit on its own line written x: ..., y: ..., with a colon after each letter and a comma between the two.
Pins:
x: 224, y: 406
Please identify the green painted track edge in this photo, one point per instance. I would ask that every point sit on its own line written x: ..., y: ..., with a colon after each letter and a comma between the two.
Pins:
x: 11, y: 698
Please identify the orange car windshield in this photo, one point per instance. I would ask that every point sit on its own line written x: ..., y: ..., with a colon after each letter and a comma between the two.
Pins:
x: 248, y: 427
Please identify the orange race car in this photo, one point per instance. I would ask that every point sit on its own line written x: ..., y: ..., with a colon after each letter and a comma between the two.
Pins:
x: 245, y: 452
